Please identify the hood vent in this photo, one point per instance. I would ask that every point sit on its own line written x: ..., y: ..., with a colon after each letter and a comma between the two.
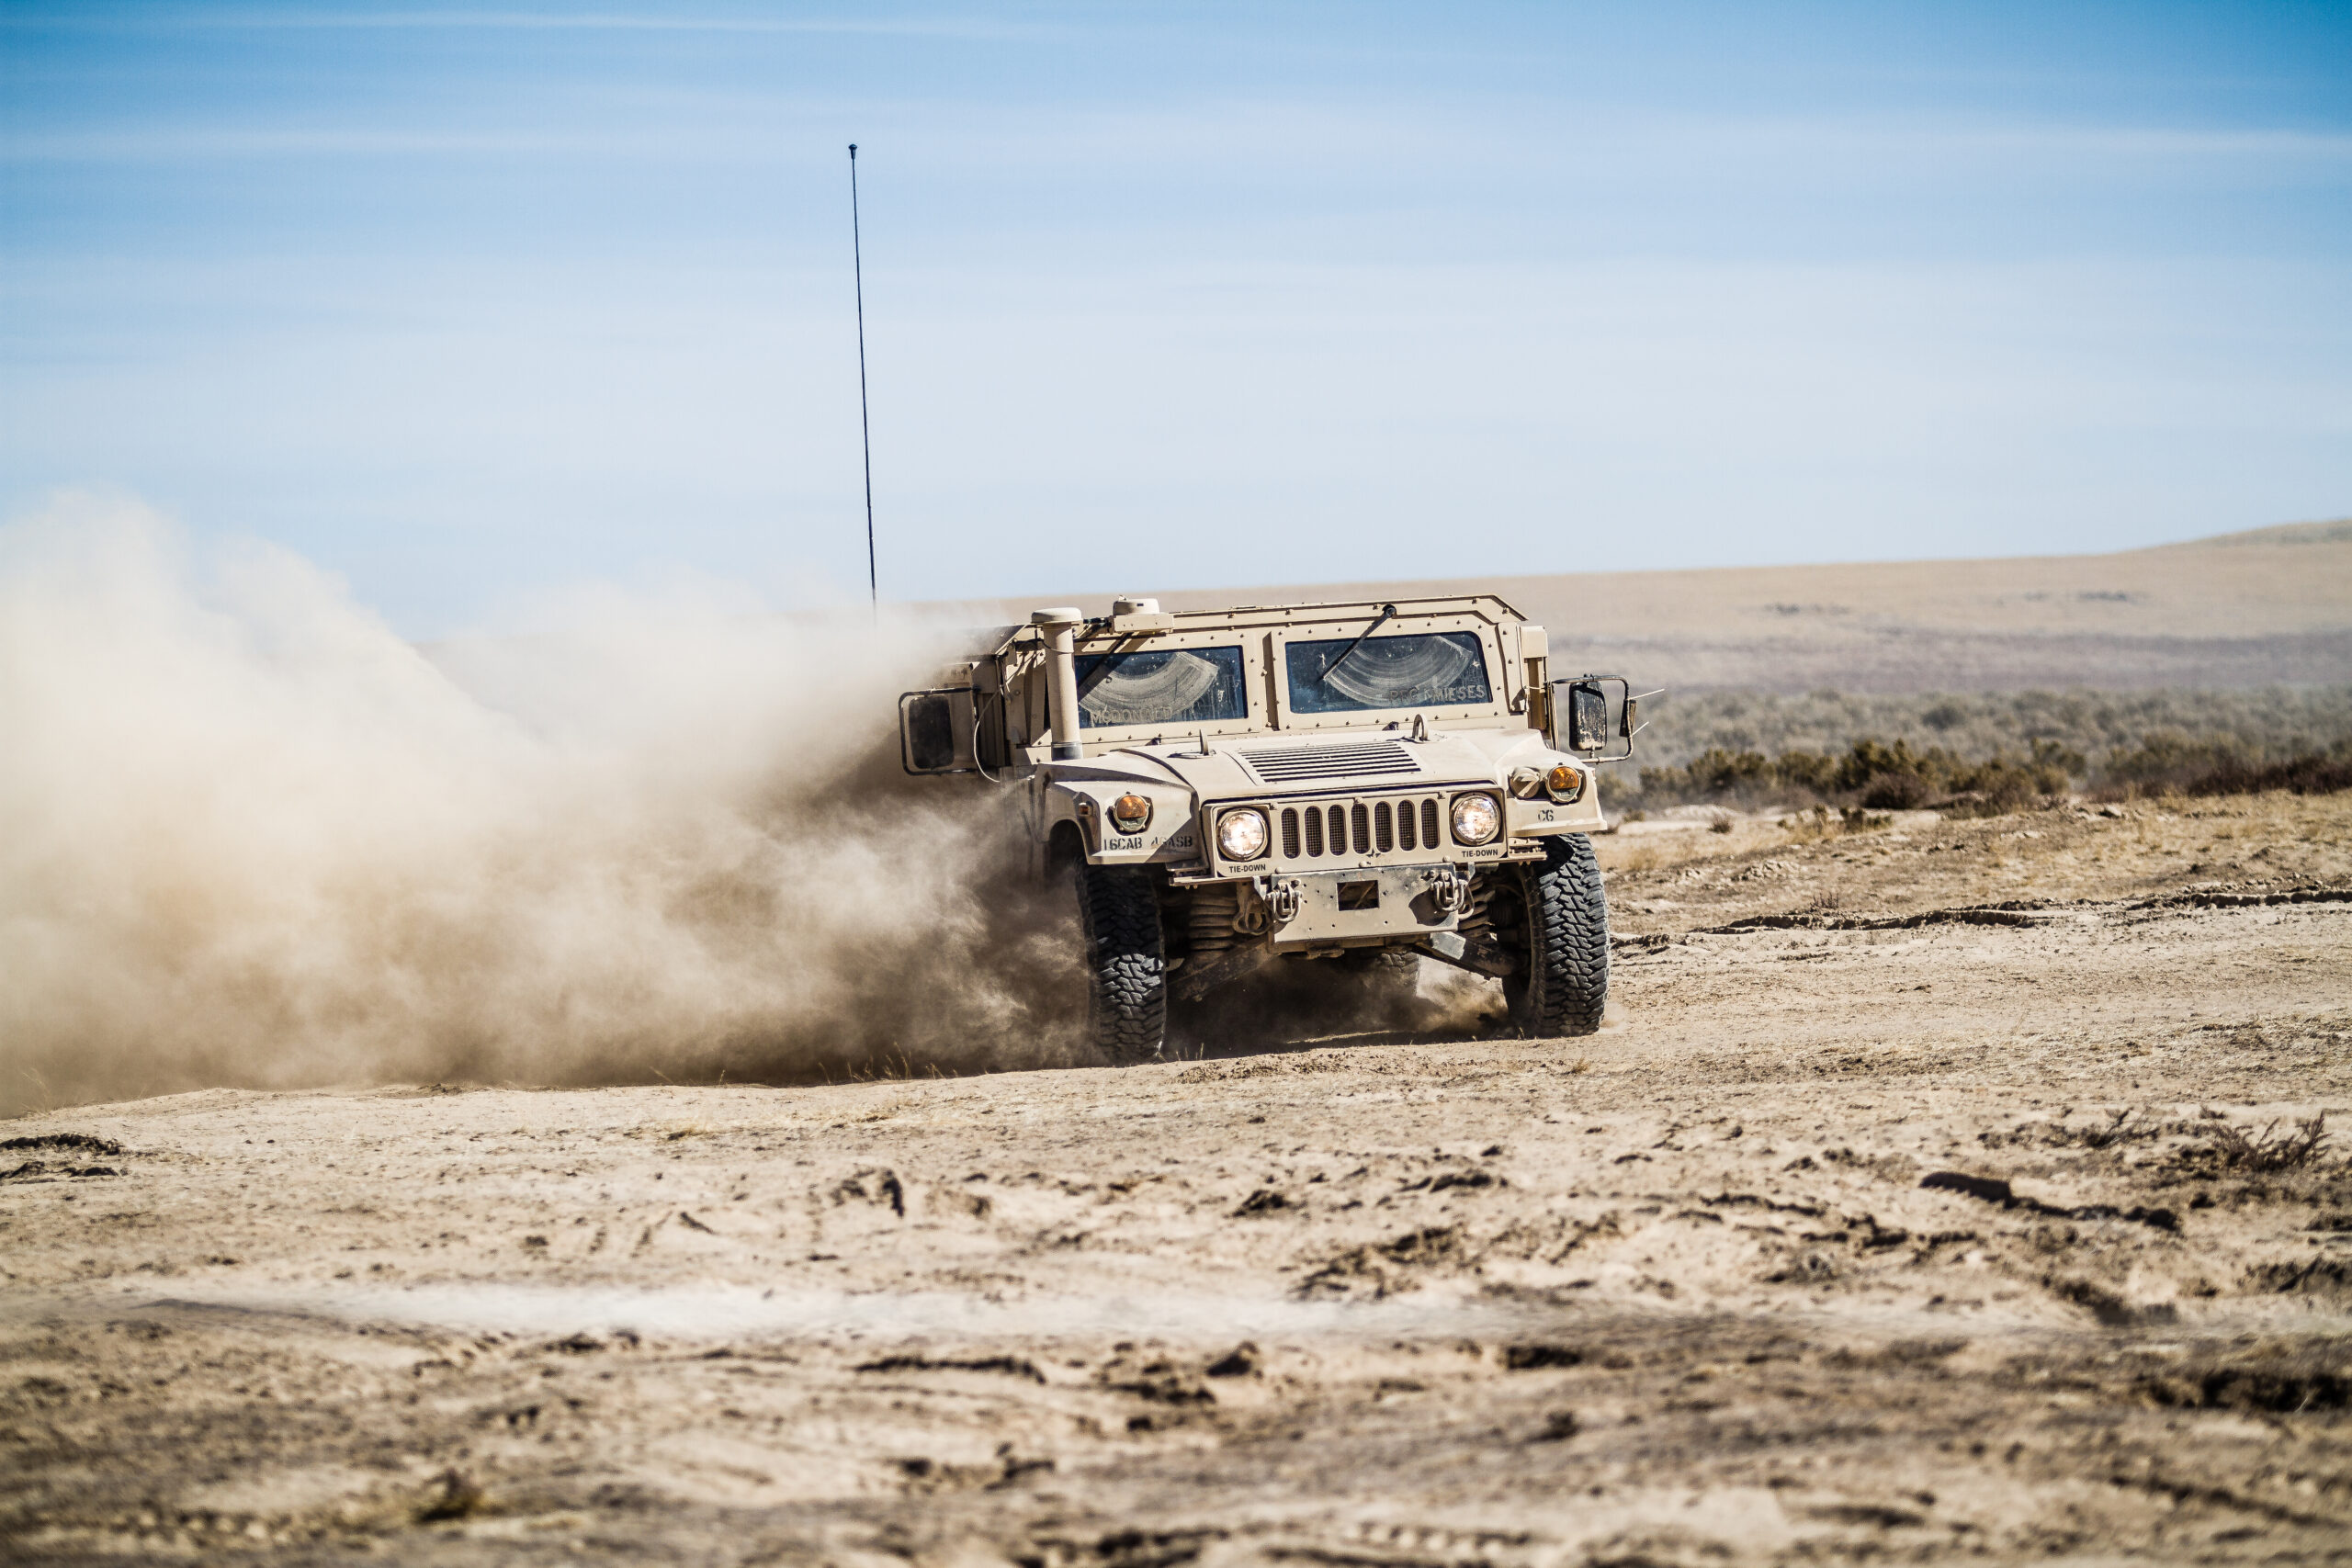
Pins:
x: 1312, y: 764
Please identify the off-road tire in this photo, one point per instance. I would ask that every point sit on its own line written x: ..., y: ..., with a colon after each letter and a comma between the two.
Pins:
x: 1126, y: 964
x: 1386, y: 972
x: 1566, y: 984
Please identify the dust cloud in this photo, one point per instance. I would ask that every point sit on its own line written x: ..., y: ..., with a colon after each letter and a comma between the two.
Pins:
x: 254, y: 837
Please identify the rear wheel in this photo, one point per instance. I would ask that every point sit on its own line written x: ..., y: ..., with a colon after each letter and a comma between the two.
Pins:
x: 1378, y: 987
x: 1389, y: 973
x: 1565, y: 985
x: 1126, y: 964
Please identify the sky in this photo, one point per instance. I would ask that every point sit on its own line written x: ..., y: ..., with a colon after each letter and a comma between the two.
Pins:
x: 472, y: 305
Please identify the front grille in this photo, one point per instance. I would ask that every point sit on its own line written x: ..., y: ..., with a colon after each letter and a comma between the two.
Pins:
x: 1307, y: 764
x: 1357, y: 831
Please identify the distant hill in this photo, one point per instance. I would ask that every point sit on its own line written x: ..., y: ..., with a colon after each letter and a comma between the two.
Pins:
x: 2268, y: 607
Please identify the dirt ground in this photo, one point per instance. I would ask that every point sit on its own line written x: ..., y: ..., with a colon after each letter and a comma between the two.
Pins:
x: 1935, y: 1191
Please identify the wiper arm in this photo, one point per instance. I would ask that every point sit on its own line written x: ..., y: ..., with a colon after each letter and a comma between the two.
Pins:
x: 1386, y: 612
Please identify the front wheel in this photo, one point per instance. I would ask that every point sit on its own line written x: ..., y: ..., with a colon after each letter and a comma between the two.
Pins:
x: 1126, y: 964
x: 1565, y: 985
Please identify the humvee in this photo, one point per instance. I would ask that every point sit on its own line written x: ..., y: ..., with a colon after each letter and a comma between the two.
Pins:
x: 1360, y: 784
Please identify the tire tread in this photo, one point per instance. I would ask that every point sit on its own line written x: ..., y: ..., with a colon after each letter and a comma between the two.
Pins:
x: 1126, y: 1012
x: 1567, y: 917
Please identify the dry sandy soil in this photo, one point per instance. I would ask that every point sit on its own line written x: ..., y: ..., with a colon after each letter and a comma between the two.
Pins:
x: 1915, y: 1206
x: 2272, y: 605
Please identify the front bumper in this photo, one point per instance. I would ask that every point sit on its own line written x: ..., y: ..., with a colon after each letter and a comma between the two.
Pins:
x: 1360, y: 908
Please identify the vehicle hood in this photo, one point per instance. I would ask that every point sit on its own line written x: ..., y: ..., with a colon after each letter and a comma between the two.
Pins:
x: 1338, y: 761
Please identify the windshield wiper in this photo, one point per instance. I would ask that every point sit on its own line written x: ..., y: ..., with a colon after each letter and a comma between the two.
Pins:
x: 1386, y: 610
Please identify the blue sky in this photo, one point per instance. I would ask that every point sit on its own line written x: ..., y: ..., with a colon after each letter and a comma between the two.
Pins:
x: 469, y: 305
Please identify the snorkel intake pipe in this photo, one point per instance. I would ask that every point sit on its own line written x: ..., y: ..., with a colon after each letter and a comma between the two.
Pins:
x: 1060, y: 627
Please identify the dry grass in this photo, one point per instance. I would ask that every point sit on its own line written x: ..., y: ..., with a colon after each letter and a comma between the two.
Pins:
x: 2231, y: 751
x: 452, y: 1495
x: 1979, y: 724
x: 2268, y: 1151
x: 1640, y: 858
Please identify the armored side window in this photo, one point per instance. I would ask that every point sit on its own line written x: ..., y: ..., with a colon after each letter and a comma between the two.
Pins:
x: 935, y: 731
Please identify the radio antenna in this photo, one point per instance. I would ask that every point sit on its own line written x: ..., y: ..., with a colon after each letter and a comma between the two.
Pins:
x: 865, y: 424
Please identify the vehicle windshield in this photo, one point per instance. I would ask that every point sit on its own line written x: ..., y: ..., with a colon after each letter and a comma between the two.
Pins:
x: 1432, y: 670
x: 1172, y: 685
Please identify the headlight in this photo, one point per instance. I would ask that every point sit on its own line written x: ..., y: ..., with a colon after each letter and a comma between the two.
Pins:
x: 1241, y: 835
x: 1131, y: 813
x: 1476, y: 819
x: 1526, y: 783
x: 1563, y: 783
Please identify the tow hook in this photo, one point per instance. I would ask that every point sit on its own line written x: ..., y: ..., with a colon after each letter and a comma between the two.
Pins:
x: 1281, y: 897
x: 1448, y: 891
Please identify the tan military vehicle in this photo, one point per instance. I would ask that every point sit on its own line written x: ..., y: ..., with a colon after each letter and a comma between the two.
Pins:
x: 1364, y: 785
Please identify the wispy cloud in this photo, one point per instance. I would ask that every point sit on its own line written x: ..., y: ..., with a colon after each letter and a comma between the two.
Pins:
x: 1253, y: 138
x: 171, y: 145
x: 509, y: 21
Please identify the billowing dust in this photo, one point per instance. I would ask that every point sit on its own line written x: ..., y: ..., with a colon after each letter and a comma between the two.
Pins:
x: 255, y: 837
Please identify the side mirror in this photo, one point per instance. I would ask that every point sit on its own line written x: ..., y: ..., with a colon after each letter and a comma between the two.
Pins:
x: 1596, y: 717
x: 936, y: 732
x: 1587, y: 716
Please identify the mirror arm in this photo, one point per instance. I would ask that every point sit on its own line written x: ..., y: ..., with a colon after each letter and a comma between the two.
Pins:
x: 1627, y: 726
